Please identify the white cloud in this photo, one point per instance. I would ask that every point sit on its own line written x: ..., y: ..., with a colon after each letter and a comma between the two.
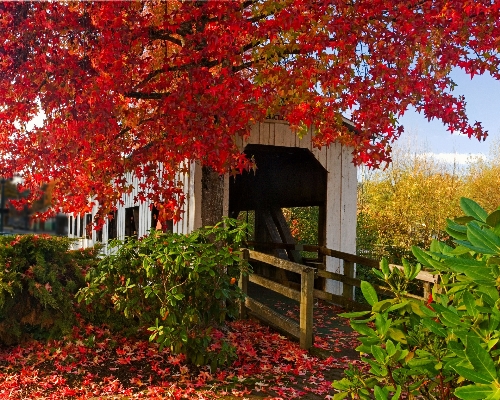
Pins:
x: 456, y: 158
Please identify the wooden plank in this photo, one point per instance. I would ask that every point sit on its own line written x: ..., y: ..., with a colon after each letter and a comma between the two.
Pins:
x: 305, y: 142
x: 289, y: 137
x: 254, y: 137
x: 352, y: 281
x: 427, y: 290
x: 277, y: 262
x: 306, y: 308
x: 357, y: 282
x: 243, y: 283
x: 238, y: 140
x: 275, y: 286
x: 348, y: 290
x: 264, y: 134
x: 350, y: 257
x: 320, y: 155
x: 281, y: 130
x: 288, y: 246
x: 267, y: 314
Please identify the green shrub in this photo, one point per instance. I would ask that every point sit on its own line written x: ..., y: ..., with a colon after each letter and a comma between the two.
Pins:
x: 446, y: 347
x: 177, y: 286
x: 38, y: 280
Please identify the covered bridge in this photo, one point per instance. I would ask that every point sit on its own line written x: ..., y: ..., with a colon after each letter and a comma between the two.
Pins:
x: 290, y: 173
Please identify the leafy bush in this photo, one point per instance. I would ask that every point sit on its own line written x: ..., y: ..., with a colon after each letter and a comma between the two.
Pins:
x: 446, y: 347
x: 178, y: 286
x: 38, y: 280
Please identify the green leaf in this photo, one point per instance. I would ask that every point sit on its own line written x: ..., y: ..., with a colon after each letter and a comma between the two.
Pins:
x: 382, y: 306
x: 406, y: 268
x: 480, y: 359
x: 384, y: 266
x: 426, y: 311
x: 380, y: 394
x: 471, y: 375
x: 390, y: 348
x: 397, y: 393
x: 493, y: 219
x: 470, y: 246
x: 472, y: 209
x: 474, y: 392
x: 470, y: 304
x: 463, y: 220
x: 483, y: 238
x: 363, y: 329
x: 378, y: 354
x: 343, y: 384
x: 460, y: 229
x: 434, y: 327
x: 369, y: 293
x: 355, y: 314
x: 397, y: 335
x: 339, y: 396
x: 425, y: 259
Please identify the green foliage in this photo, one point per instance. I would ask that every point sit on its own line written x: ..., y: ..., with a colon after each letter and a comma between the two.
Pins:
x: 38, y: 279
x: 446, y: 347
x: 177, y: 286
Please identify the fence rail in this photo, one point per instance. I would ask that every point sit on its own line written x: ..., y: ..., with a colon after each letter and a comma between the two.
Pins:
x: 303, y: 330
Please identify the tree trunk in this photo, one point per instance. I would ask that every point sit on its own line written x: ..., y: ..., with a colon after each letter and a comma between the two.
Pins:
x: 212, y: 197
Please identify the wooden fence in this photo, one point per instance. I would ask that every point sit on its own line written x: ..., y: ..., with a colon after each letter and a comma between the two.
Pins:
x: 303, y: 330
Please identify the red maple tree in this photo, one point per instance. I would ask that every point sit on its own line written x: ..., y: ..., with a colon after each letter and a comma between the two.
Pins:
x: 123, y: 85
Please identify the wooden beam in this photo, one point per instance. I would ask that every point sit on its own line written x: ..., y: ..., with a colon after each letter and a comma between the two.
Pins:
x: 350, y: 257
x: 275, y: 286
x: 348, y: 289
x: 306, y: 308
x: 243, y: 283
x: 277, y: 262
x: 357, y: 282
x: 280, y: 321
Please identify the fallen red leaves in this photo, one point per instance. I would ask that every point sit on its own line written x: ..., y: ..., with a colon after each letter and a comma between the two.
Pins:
x: 94, y: 363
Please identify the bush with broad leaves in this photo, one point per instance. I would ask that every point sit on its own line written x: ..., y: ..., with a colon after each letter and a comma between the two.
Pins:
x: 177, y: 286
x: 448, y: 346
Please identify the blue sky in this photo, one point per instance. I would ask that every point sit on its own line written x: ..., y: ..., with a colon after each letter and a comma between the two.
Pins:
x: 482, y: 95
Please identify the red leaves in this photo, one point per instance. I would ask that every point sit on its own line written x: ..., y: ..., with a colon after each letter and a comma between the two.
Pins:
x: 125, y: 85
x: 110, y: 365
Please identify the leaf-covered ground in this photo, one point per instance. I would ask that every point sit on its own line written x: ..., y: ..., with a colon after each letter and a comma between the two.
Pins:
x: 96, y: 364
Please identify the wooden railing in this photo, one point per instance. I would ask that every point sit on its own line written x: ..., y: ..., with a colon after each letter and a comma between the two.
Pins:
x: 304, y: 329
x: 305, y: 296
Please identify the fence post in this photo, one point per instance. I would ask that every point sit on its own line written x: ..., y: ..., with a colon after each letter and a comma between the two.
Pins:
x: 347, y: 290
x: 243, y: 283
x: 427, y: 290
x: 306, y: 308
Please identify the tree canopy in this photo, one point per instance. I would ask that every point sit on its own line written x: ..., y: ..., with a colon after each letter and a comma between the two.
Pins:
x: 124, y: 85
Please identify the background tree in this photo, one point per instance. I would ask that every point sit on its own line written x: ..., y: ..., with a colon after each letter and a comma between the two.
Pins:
x: 125, y: 85
x: 408, y: 203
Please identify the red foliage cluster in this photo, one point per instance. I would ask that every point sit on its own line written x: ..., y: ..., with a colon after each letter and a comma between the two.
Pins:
x: 93, y: 362
x: 125, y: 85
